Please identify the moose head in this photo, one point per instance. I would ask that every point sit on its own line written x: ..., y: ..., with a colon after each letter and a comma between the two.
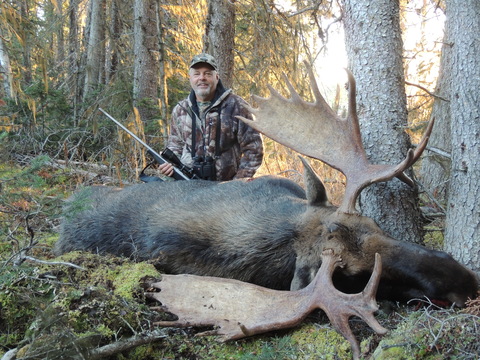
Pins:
x: 315, y: 130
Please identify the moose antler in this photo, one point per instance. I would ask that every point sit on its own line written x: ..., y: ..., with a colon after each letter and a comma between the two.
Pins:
x: 238, y: 309
x: 315, y: 130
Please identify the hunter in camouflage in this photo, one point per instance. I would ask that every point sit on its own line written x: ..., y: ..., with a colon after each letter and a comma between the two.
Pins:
x: 239, y: 151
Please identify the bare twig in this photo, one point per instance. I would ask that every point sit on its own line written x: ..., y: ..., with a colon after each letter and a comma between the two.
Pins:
x: 59, y: 164
x: 53, y: 262
x: 431, y: 197
x: 439, y: 151
x: 126, y: 344
x: 441, y: 322
x: 427, y: 91
x: 313, y: 7
x: 10, y: 354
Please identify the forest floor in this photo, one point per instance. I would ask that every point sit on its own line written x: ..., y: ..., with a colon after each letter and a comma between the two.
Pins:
x: 86, y: 306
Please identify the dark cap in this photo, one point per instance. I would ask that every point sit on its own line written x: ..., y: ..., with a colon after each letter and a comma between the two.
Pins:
x: 204, y: 58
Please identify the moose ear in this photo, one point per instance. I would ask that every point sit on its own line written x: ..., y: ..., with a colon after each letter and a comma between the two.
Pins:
x: 316, y: 193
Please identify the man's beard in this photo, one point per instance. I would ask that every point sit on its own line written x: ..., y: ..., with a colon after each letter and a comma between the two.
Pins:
x: 203, y: 91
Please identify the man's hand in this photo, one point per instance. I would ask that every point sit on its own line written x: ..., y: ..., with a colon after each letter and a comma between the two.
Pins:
x: 166, y: 169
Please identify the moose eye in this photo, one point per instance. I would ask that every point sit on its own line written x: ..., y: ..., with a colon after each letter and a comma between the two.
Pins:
x: 331, y: 236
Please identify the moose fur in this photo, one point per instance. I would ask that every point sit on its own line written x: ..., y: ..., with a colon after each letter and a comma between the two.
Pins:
x: 267, y: 231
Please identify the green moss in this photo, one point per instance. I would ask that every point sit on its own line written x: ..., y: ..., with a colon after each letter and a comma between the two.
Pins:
x: 321, y: 342
x: 127, y: 279
x: 432, y: 334
x: 176, y: 346
x: 105, y: 292
x: 50, y: 239
x: 399, y: 342
x: 104, y: 330
x: 22, y: 296
x: 434, y: 238
x: 310, y: 341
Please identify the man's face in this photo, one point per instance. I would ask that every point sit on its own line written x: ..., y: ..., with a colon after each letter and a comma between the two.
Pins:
x: 203, y: 80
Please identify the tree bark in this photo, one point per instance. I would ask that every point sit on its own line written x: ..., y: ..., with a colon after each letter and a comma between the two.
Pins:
x: 145, y: 78
x: 375, y: 49
x: 463, y: 209
x: 220, y: 37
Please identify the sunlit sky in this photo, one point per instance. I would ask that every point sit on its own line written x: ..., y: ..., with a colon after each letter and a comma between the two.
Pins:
x: 425, y: 28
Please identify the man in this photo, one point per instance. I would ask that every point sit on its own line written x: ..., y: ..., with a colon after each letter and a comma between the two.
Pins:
x: 222, y: 147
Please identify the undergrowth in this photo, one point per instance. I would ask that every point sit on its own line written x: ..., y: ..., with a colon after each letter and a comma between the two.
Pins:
x: 77, y: 305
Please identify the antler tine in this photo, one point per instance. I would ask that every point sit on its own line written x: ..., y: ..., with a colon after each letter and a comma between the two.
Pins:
x: 369, y: 294
x: 319, y: 99
x: 372, y: 285
x: 424, y: 141
x: 418, y: 152
x: 339, y: 306
x: 315, y: 130
x: 295, y: 96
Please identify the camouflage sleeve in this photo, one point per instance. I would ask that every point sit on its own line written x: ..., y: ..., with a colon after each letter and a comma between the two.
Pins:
x: 251, y: 147
x: 176, y: 141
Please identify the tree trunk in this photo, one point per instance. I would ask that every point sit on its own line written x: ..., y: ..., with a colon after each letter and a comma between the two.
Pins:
x: 463, y: 208
x: 374, y: 48
x: 163, y: 88
x: 6, y: 77
x: 95, y: 47
x: 27, y: 62
x: 73, y: 56
x: 220, y: 37
x: 145, y: 78
x: 436, y: 166
x: 60, y: 48
x: 115, y: 32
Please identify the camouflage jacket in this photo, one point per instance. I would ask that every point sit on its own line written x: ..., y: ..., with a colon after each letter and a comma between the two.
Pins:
x: 241, y: 149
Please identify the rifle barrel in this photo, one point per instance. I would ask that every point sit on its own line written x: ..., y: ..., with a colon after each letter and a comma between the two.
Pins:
x: 178, y: 174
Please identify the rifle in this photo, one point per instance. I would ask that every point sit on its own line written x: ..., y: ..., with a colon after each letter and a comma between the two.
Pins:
x: 180, y: 171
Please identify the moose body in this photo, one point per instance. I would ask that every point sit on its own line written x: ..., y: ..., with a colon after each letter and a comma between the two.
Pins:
x: 237, y: 229
x: 267, y: 231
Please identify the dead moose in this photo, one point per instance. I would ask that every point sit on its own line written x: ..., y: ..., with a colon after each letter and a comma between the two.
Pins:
x: 269, y: 231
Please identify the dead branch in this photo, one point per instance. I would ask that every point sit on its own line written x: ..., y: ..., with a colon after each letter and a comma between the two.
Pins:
x: 427, y: 91
x: 54, y: 262
x: 127, y: 344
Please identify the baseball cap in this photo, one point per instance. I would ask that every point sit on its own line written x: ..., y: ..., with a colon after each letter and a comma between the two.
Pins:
x: 204, y: 58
